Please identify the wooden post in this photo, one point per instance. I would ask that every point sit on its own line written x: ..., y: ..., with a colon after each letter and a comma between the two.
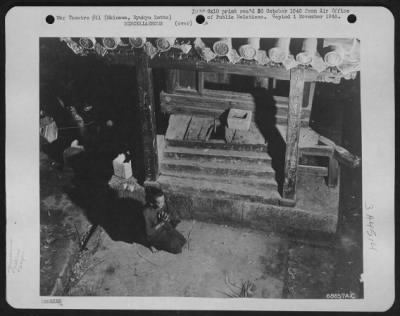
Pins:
x: 311, y: 95
x: 200, y: 82
x: 308, y: 96
x: 333, y: 172
x: 292, y: 135
x: 147, y: 116
x: 172, y: 80
x: 273, y: 84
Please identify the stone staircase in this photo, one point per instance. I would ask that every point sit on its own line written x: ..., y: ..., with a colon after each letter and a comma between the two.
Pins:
x: 216, y: 169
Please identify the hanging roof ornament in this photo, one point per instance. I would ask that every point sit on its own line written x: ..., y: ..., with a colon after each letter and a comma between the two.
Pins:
x: 111, y: 43
x: 87, y: 42
x: 137, y: 42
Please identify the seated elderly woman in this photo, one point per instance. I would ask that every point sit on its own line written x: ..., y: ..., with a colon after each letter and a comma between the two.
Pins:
x: 160, y: 223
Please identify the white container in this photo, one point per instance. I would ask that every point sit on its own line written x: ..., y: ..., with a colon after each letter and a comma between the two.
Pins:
x: 122, y: 169
x: 239, y: 119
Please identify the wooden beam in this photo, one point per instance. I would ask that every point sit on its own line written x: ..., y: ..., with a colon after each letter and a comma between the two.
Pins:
x: 293, y: 132
x: 313, y: 170
x: 147, y: 115
x: 317, y: 150
x: 311, y: 95
x: 341, y: 154
x: 200, y: 82
x: 278, y: 73
x: 215, y: 104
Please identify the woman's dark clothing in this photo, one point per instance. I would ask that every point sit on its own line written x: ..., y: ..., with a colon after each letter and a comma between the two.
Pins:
x: 162, y: 237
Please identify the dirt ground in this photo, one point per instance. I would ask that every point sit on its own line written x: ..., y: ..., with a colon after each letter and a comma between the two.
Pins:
x: 217, y: 261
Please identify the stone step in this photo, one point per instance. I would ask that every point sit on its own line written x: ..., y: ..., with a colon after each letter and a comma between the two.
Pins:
x: 219, y: 169
x: 263, y: 216
x: 261, y: 183
x: 217, y: 155
x: 216, y: 144
x: 211, y: 189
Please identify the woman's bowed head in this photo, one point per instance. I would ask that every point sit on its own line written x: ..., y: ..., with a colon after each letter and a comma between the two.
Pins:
x: 160, y: 223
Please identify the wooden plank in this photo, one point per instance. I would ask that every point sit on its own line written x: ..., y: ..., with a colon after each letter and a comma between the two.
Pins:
x: 215, y: 103
x: 313, y: 170
x: 232, y: 95
x: 216, y: 113
x: 160, y: 147
x: 238, y: 69
x: 308, y: 138
x: 200, y: 82
x: 242, y: 96
x: 342, y: 154
x: 293, y: 132
x: 212, y: 98
x: 177, y: 126
x: 207, y: 127
x: 278, y: 73
x: 199, y: 128
x: 317, y: 150
x: 194, y: 128
x: 192, y: 111
x: 144, y: 83
x: 205, y: 100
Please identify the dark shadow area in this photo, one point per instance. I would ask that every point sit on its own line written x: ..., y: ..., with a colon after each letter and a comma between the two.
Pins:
x: 219, y: 132
x: 235, y: 83
x: 159, y: 84
x: 327, y: 112
x: 112, y: 126
x: 349, y: 233
x: 109, y: 89
x: 122, y: 219
x: 265, y: 118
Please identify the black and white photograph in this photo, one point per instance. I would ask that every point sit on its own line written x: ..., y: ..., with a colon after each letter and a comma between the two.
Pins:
x: 224, y: 158
x: 200, y: 167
